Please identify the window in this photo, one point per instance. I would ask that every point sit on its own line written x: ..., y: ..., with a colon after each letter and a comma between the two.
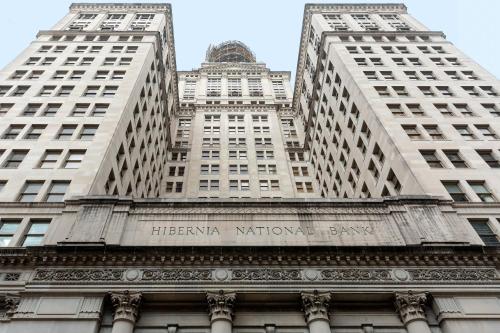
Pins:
x: 12, y: 132
x: 117, y: 75
x: 34, y: 132
x: 412, y: 132
x: 31, y: 109
x: 36, y: 233
x: 57, y: 191
x: 46, y: 91
x: 20, y: 91
x: 15, y: 159
x: 445, y: 91
x: 492, y: 109
x: 100, y: 110
x: 66, y: 132
x: 51, y: 109
x: 8, y: 228
x: 74, y: 159
x: 464, y: 110
x: 88, y: 132
x: 18, y: 75
x: 486, y: 131
x: 65, y: 91
x: 91, y: 91
x: 455, y: 191
x: 481, y: 226
x: 4, y: 90
x: 489, y: 158
x: 479, y: 187
x: 49, y: 159
x: 80, y: 109
x: 124, y: 61
x: 431, y: 158
x: 455, y: 158
x: 396, y: 110
x: 465, y: 132
x: 109, y: 91
x: 30, y: 191
x: 434, y: 132
x: 5, y: 107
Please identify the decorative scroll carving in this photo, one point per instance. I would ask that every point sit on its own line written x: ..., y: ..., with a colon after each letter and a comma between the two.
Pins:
x: 9, y: 302
x: 78, y: 275
x: 266, y: 274
x: 221, y: 305
x: 315, y: 305
x: 176, y: 274
x: 126, y: 305
x: 410, y: 306
x: 458, y: 274
x: 356, y: 274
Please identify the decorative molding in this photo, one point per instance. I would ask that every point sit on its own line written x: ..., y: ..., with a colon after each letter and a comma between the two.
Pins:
x: 410, y: 306
x: 126, y: 305
x: 457, y: 274
x: 315, y: 305
x: 306, y: 274
x: 79, y: 275
x: 356, y: 274
x: 221, y: 305
x: 176, y: 274
x: 266, y: 274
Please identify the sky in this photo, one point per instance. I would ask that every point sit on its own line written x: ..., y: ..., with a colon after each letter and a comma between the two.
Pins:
x: 271, y: 28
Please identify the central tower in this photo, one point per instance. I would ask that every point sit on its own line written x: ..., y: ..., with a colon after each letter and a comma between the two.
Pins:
x: 236, y: 134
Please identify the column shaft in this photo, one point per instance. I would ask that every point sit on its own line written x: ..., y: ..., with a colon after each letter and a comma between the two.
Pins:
x: 418, y: 326
x: 122, y: 326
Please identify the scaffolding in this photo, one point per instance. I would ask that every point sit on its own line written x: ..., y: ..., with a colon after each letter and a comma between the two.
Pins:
x: 230, y: 51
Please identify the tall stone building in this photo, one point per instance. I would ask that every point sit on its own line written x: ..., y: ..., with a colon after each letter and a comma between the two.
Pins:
x: 138, y: 198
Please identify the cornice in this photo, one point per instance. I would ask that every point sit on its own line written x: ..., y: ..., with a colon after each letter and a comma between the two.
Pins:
x: 356, y: 7
x: 157, y: 7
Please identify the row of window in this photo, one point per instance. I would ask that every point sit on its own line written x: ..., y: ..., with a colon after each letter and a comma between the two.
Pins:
x: 112, y: 21
x: 451, y: 157
x: 51, y: 109
x: 231, y: 118
x: 59, y: 91
x: 419, y: 75
x: 237, y: 154
x: 50, y: 159
x: 67, y: 75
x: 410, y: 61
x: 66, y: 132
x: 397, y: 49
x: 88, y: 49
x: 96, y: 38
x: 435, y: 91
x: 433, y: 132
x: 78, y: 61
x: 445, y: 109
x: 32, y: 233
x: 463, y: 191
x: 239, y: 185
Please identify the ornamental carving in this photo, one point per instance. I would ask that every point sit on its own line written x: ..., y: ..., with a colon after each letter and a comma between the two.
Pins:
x: 356, y: 274
x: 176, y: 274
x: 9, y: 302
x: 71, y: 275
x: 410, y: 306
x: 125, y: 305
x: 221, y: 305
x: 266, y: 274
x: 315, y: 305
x: 458, y: 274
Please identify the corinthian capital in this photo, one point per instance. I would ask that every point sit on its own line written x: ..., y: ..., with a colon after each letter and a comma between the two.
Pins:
x: 410, y: 306
x: 221, y: 305
x: 316, y: 305
x: 10, y: 303
x: 126, y: 305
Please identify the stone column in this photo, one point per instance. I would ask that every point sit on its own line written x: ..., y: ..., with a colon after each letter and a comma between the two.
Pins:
x: 221, y: 311
x: 126, y: 310
x: 316, y: 311
x: 410, y: 307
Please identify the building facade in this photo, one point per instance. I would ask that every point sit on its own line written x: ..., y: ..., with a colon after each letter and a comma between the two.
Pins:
x: 138, y: 198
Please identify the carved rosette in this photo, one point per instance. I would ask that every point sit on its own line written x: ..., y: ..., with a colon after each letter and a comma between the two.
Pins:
x: 315, y: 305
x: 10, y: 303
x: 221, y: 305
x: 126, y: 305
x: 410, y: 306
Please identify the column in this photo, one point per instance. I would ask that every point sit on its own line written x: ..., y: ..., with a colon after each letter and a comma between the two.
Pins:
x: 221, y: 311
x: 316, y: 307
x: 410, y: 307
x: 126, y: 310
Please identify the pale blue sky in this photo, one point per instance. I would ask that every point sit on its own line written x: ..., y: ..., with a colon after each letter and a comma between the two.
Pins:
x: 270, y: 27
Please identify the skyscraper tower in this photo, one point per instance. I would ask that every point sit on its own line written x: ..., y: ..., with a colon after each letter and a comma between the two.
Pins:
x: 138, y: 198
